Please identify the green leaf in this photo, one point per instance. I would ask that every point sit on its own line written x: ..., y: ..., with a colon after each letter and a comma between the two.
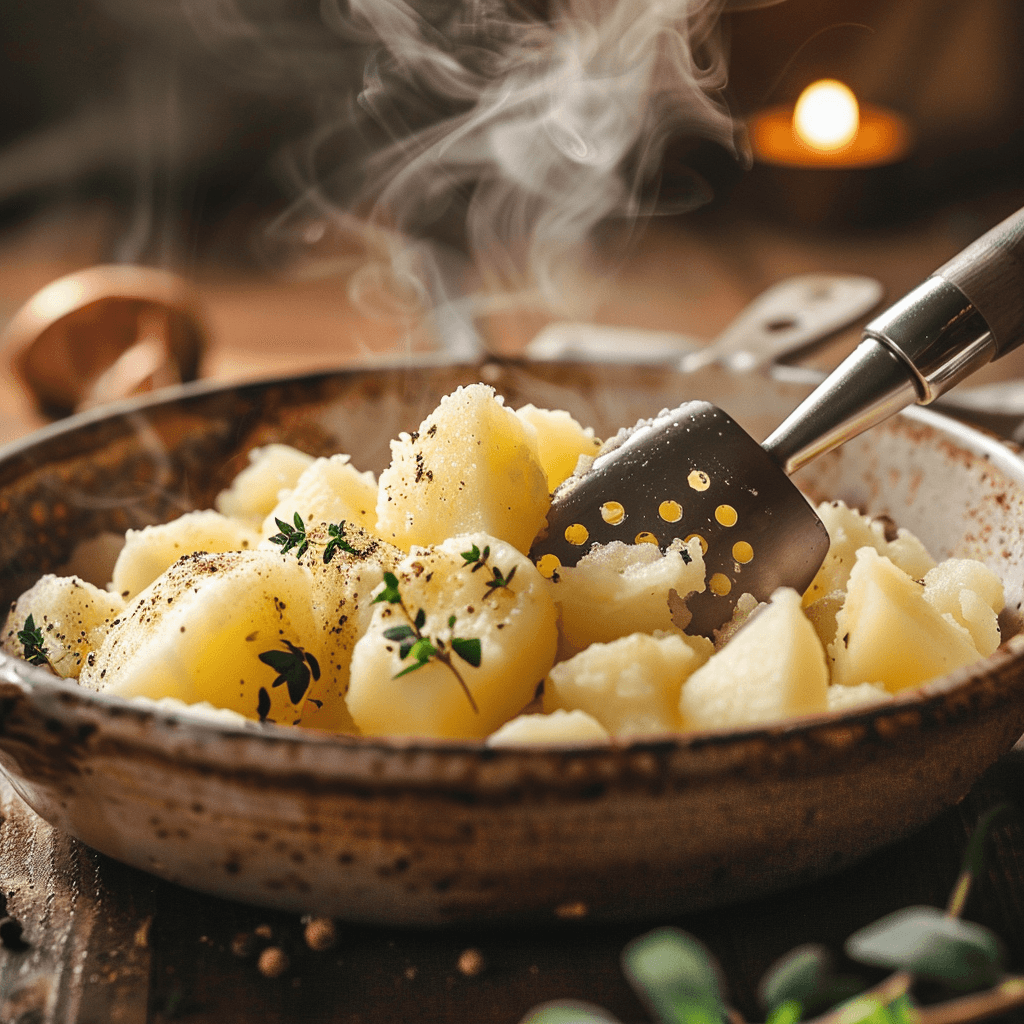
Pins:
x: 795, y: 977
x: 398, y: 632
x: 568, y: 1011
x: 789, y: 1011
x: 411, y: 668
x: 421, y: 619
x: 292, y: 669
x: 675, y: 976
x: 390, y: 591
x: 31, y: 639
x: 928, y: 943
x: 467, y: 650
x: 423, y: 650
x: 472, y: 555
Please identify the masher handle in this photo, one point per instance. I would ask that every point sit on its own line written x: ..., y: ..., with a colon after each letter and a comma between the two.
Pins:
x: 969, y: 312
x: 990, y: 272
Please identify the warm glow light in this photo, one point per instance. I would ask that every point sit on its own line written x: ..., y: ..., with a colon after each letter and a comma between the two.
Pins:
x: 826, y: 116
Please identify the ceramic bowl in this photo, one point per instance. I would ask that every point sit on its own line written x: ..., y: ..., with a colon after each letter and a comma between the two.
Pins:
x: 427, y: 833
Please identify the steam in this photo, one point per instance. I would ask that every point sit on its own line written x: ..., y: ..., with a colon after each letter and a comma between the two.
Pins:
x: 465, y: 152
x: 518, y: 133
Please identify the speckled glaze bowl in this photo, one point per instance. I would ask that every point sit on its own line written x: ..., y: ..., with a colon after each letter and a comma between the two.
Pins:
x: 428, y: 833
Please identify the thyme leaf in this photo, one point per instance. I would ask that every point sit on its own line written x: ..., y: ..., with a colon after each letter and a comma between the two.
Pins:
x: 414, y: 644
x: 30, y: 636
x: 291, y: 536
x: 336, y: 531
x: 295, y: 667
x: 478, y: 560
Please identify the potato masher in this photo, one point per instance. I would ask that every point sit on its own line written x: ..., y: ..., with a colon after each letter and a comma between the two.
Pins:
x: 693, y: 472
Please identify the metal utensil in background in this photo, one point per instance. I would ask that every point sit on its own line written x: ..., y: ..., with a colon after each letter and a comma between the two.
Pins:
x: 104, y: 333
x: 785, y: 319
x: 694, y: 472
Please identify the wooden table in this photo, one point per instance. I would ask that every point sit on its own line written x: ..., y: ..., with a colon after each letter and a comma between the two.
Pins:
x: 107, y: 943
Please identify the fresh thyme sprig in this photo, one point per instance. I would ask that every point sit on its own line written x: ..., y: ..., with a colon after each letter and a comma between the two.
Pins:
x: 291, y: 536
x: 414, y: 643
x: 295, y: 667
x: 336, y: 531
x: 30, y: 636
x: 295, y: 535
x: 478, y: 559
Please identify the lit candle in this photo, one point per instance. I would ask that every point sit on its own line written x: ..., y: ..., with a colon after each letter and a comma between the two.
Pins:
x: 828, y: 128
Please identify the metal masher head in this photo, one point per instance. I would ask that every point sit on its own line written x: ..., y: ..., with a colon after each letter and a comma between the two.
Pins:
x: 692, y: 472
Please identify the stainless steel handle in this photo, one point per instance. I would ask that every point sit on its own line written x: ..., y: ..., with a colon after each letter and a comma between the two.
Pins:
x: 966, y: 314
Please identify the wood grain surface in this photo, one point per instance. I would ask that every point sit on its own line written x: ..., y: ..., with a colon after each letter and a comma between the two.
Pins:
x: 106, y: 943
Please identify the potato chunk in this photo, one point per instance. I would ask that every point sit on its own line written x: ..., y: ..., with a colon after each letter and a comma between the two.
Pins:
x: 471, y: 466
x: 254, y: 491
x: 72, y: 615
x: 772, y: 668
x: 631, y: 685
x: 560, y: 441
x: 888, y: 633
x: 560, y: 728
x: 328, y: 491
x: 154, y: 549
x: 446, y: 598
x: 972, y: 594
x: 849, y: 531
x: 342, y: 605
x: 617, y: 589
x: 236, y: 629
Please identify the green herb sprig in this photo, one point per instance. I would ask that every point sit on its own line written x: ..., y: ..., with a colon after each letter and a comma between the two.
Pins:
x: 679, y: 981
x: 291, y: 536
x: 478, y: 559
x: 336, y: 531
x: 294, y: 667
x: 414, y: 643
x: 30, y: 636
x: 295, y: 535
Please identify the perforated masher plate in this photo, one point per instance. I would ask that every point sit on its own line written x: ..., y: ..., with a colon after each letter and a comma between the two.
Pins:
x: 693, y: 471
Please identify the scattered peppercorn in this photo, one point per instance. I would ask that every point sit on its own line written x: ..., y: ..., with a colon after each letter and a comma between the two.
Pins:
x: 320, y: 933
x: 273, y: 962
x: 471, y: 962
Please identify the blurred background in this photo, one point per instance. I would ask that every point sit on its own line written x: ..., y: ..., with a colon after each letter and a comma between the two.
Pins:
x: 240, y: 143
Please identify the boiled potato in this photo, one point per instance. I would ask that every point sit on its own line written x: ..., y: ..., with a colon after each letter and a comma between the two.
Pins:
x: 342, y: 589
x: 236, y: 629
x: 972, y: 594
x: 560, y: 441
x: 471, y: 466
x: 617, y: 589
x: 560, y: 728
x: 631, y: 685
x: 773, y: 668
x: 72, y: 615
x: 254, y: 491
x: 153, y: 549
x: 888, y: 633
x: 848, y: 531
x: 446, y: 597
x: 328, y: 491
x: 847, y: 698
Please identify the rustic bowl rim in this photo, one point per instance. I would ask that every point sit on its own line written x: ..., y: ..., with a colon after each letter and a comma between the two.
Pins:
x: 69, y: 696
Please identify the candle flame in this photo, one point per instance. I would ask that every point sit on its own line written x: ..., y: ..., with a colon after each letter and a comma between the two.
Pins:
x: 826, y: 116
